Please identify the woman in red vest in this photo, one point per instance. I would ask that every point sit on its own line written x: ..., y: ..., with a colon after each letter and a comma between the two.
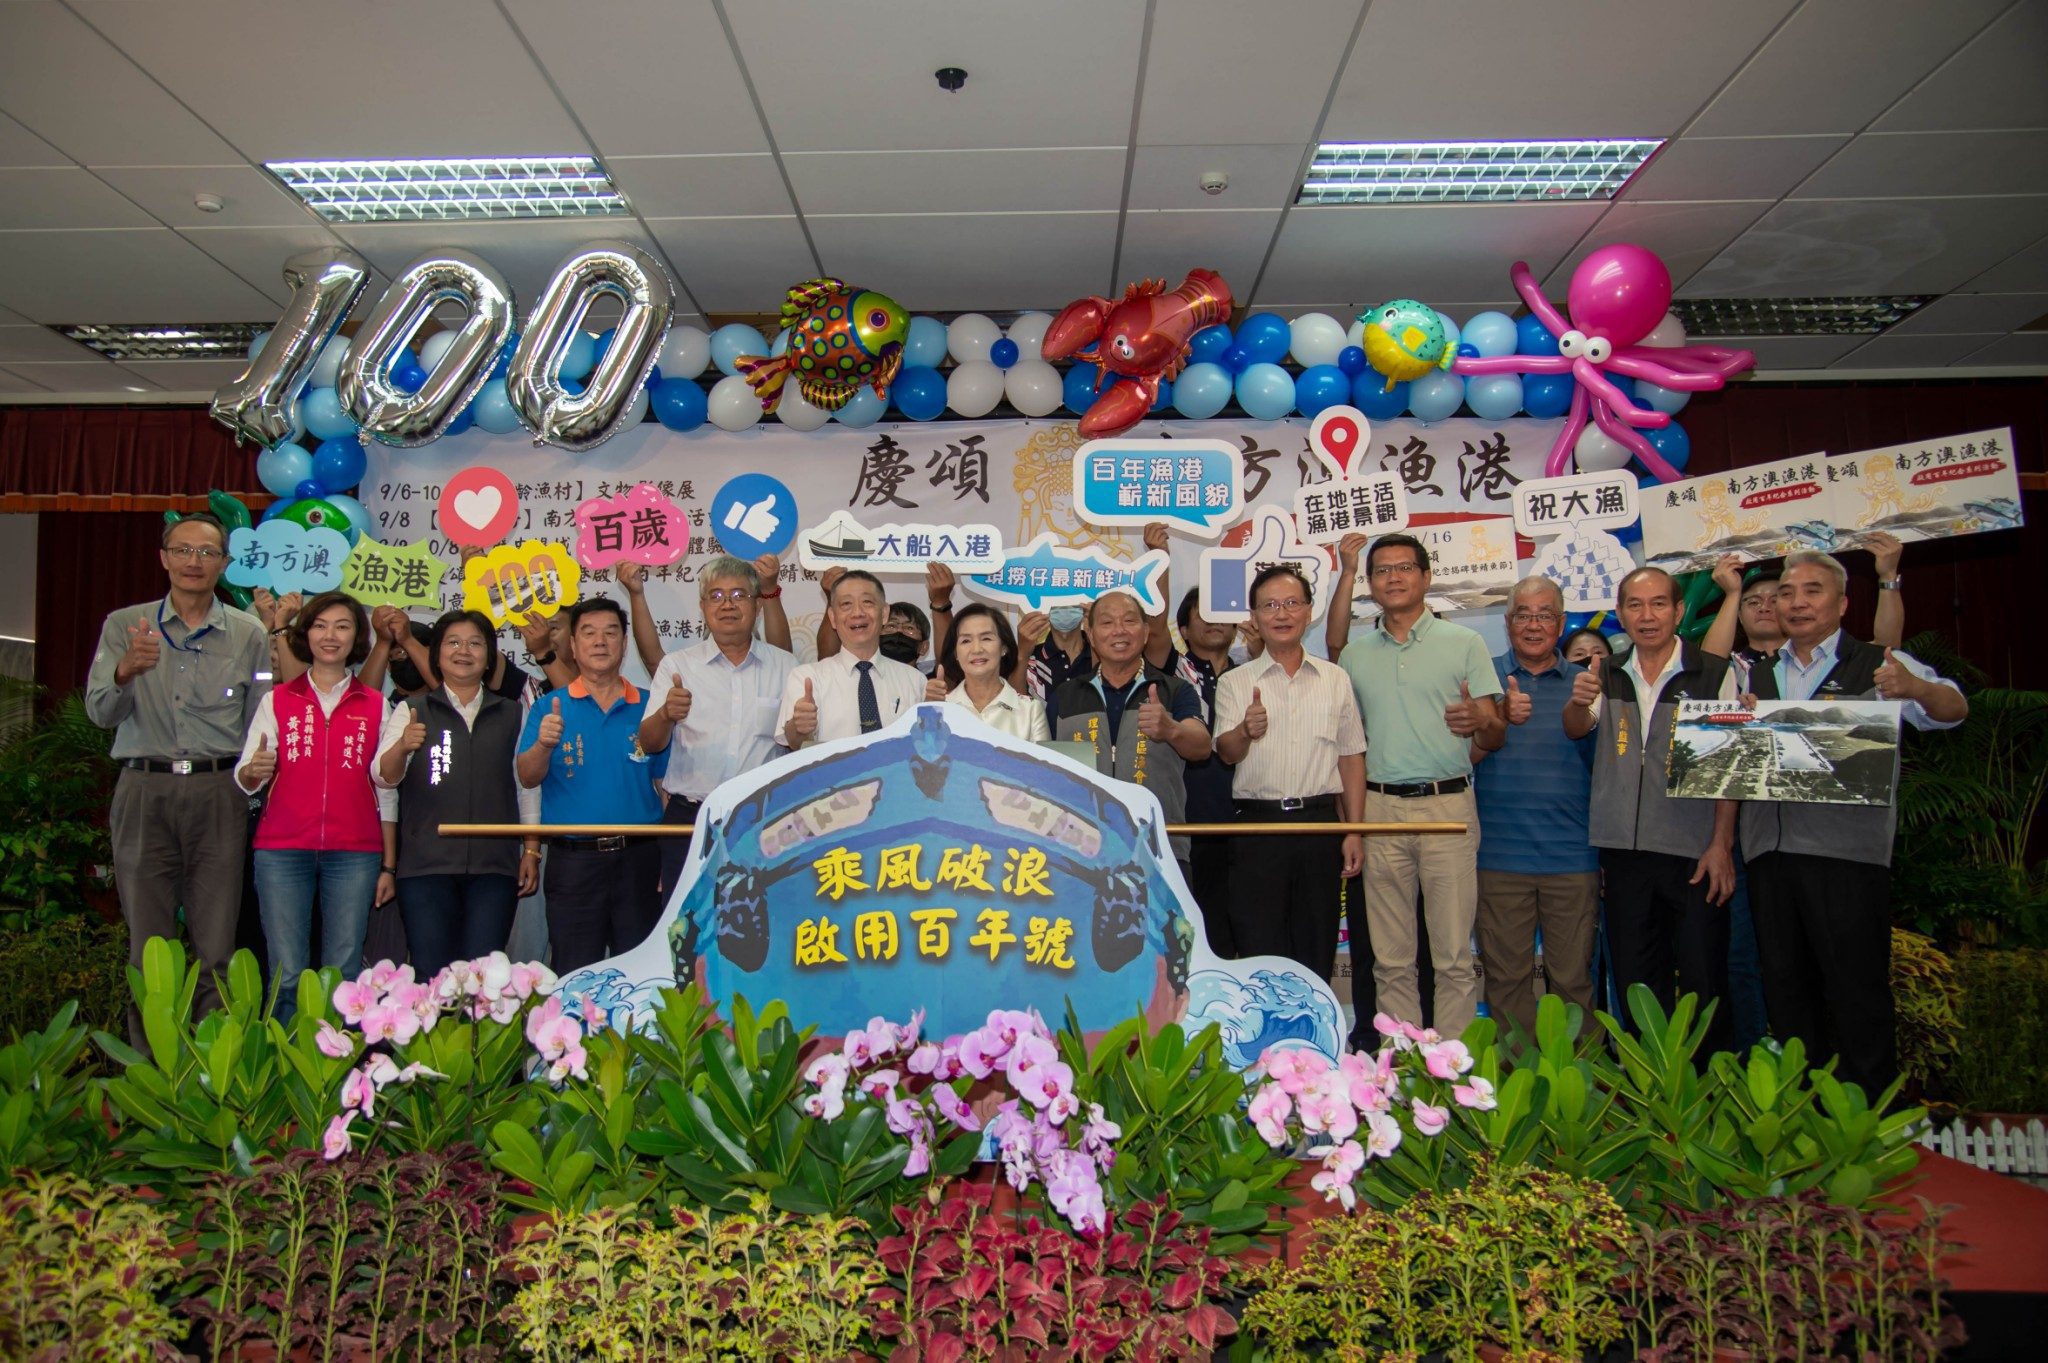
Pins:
x: 327, y: 833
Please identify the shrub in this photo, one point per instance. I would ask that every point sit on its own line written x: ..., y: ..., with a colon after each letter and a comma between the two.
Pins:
x: 1926, y: 994
x: 81, y: 1272
x: 1997, y: 1066
x: 77, y: 958
x: 54, y: 780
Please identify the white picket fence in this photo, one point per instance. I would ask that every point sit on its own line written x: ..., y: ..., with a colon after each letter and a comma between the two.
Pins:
x: 2018, y: 1149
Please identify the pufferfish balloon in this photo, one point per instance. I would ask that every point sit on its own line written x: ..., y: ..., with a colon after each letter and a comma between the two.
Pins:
x: 1405, y: 339
x: 840, y: 337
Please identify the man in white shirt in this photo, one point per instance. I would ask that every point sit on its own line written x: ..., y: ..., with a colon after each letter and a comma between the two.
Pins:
x: 856, y: 690
x: 1289, y: 725
x: 714, y: 704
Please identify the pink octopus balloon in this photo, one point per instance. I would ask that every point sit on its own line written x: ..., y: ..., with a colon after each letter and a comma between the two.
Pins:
x: 1617, y: 296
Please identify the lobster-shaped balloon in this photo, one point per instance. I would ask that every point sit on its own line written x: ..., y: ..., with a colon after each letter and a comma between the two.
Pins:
x: 1137, y: 341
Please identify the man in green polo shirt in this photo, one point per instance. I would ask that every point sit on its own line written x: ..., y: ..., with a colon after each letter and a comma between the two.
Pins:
x: 1427, y: 691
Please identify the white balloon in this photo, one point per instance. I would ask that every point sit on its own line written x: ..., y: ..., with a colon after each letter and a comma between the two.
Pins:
x: 1668, y: 333
x: 974, y: 387
x: 798, y: 414
x: 1670, y: 401
x: 685, y: 354
x: 970, y: 336
x: 1033, y: 386
x: 731, y: 404
x: 328, y: 363
x: 1318, y: 338
x: 1597, y: 451
x: 434, y: 347
x: 1355, y: 334
x: 636, y: 413
x: 1028, y: 331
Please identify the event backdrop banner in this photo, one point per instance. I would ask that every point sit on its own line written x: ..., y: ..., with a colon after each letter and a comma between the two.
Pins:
x: 1016, y: 475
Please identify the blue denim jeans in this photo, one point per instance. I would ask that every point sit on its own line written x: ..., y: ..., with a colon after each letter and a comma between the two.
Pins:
x: 455, y: 918
x: 288, y: 881
x: 1745, y: 971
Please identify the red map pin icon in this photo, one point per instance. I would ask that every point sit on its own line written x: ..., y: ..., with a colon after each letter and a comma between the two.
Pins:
x: 1338, y: 435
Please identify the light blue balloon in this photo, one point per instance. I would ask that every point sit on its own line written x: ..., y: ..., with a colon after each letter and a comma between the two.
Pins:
x: 282, y: 468
x: 733, y: 340
x: 580, y: 358
x: 1202, y: 391
x: 925, y: 344
x: 358, y: 514
x: 321, y: 413
x: 256, y: 343
x: 1266, y: 392
x: 1435, y: 395
x: 864, y: 408
x: 1491, y: 334
x: 781, y: 346
x: 492, y: 409
x: 1495, y: 397
x: 1452, y: 334
x: 1670, y: 401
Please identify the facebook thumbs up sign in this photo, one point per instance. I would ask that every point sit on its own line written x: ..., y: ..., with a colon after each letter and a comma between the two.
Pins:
x: 1227, y: 571
x: 755, y: 515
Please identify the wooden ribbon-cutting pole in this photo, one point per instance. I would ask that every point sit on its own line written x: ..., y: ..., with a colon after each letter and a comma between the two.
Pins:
x: 683, y: 830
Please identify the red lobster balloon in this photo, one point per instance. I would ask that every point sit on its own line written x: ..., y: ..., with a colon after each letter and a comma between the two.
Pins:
x: 1140, y: 340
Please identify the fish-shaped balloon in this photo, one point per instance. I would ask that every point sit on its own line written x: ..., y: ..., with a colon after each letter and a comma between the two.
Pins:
x: 1405, y: 339
x: 840, y: 338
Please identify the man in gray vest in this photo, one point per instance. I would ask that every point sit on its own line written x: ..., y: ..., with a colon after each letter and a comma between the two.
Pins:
x: 1668, y: 863
x: 1820, y: 875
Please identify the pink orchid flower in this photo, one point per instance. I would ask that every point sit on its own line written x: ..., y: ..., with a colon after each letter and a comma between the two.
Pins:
x: 352, y: 999
x: 1446, y: 1059
x: 1383, y: 1134
x: 1269, y: 1111
x: 332, y: 1042
x: 1476, y: 1093
x: 1430, y: 1120
x: 336, y: 1143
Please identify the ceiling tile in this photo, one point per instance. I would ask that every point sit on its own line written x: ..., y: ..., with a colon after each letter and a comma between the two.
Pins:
x: 1994, y: 82
x: 2025, y: 270
x: 1685, y: 235
x: 1166, y: 245
x: 249, y: 197
x: 2028, y: 349
x: 1910, y: 165
x: 1290, y: 65
x: 954, y: 262
x: 1698, y: 168
x: 1021, y: 180
x: 450, y: 79
x: 1862, y: 246
x: 646, y: 77
x: 39, y: 343
x: 257, y: 255
x: 1894, y: 351
x: 526, y: 253
x: 1836, y: 64
x: 63, y: 199
x: 49, y: 58
x: 1408, y: 78
x: 742, y: 264
x: 1054, y: 73
x: 702, y: 186
x: 1419, y: 250
x: 1966, y: 312
x: 20, y: 147
x: 13, y: 319
x: 1260, y: 176
x: 151, y: 275
x: 11, y: 382
x: 88, y: 376
x: 1790, y: 352
x: 186, y: 376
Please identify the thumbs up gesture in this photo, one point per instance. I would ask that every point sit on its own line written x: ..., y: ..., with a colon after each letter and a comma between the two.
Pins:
x: 803, y: 716
x: 935, y: 687
x: 1154, y: 721
x: 261, y: 766
x: 1255, y: 717
x: 676, y: 705
x: 1520, y: 704
x: 415, y: 736
x: 144, y: 649
x: 551, y: 724
x: 1894, y: 682
x: 1587, y: 685
x: 1461, y: 716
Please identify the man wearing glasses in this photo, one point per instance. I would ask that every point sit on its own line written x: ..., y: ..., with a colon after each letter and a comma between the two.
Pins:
x: 177, y: 680
x: 713, y: 704
x: 1536, y: 868
x: 1426, y: 690
x: 1289, y: 725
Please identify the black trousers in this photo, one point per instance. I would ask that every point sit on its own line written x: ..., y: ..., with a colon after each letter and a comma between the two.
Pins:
x: 1662, y: 932
x: 1824, y: 938
x: 1284, y: 888
x: 600, y: 903
x: 675, y: 851
x: 1208, y: 865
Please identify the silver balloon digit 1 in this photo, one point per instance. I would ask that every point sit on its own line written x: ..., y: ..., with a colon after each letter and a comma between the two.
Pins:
x: 365, y: 387
x: 533, y: 380
x: 259, y: 405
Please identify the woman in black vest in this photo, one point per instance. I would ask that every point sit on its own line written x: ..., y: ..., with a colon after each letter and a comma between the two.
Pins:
x: 449, y: 753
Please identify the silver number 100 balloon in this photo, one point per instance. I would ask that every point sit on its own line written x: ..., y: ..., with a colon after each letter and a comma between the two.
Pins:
x: 260, y: 405
x: 365, y: 387
x: 533, y: 380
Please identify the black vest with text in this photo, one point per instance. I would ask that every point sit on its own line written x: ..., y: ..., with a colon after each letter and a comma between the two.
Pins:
x: 461, y: 775
x: 1861, y: 833
x: 1127, y: 754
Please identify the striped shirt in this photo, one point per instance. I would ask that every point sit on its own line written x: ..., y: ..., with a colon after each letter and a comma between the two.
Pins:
x: 1311, y: 721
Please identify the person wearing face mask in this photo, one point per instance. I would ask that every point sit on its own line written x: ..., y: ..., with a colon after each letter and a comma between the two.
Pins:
x: 906, y: 638
x: 979, y: 656
x: 855, y: 690
x: 1201, y: 665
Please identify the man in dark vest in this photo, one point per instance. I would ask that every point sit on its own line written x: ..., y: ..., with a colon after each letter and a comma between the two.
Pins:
x: 1820, y: 874
x: 1668, y: 863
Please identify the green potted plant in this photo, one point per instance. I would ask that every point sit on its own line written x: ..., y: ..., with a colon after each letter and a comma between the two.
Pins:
x: 83, y: 1271
x: 54, y: 780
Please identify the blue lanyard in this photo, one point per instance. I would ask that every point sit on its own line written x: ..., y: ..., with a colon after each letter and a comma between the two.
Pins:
x: 185, y: 647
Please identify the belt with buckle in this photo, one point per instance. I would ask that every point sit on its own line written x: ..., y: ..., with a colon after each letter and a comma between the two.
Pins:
x: 1289, y: 805
x: 1415, y: 790
x: 179, y: 766
x: 611, y: 844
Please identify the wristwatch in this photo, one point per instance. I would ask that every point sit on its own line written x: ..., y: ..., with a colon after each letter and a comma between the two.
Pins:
x: 390, y: 870
x: 544, y: 659
x: 940, y: 607
x: 1893, y: 585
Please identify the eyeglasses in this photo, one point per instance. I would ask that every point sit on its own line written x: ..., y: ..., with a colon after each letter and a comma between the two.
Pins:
x: 1397, y: 570
x: 1539, y: 617
x: 1291, y: 604
x: 734, y: 594
x: 185, y: 553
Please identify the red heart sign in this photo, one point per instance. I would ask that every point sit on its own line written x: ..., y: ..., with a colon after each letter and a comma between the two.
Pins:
x: 478, y: 507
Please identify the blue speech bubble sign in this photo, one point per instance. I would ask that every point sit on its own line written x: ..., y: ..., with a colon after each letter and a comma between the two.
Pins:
x: 286, y: 557
x: 1197, y: 484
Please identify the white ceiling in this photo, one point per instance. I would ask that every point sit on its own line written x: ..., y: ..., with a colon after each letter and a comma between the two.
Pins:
x: 1819, y: 146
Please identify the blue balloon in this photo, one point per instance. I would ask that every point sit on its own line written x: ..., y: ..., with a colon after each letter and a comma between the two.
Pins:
x: 504, y: 361
x: 580, y: 357
x: 1673, y: 443
x: 1632, y: 533
x: 256, y: 343
x: 407, y: 375
x: 1435, y: 395
x: 864, y: 408
x: 1547, y: 395
x: 461, y: 421
x: 1266, y: 391
x: 1209, y: 345
x: 604, y: 343
x: 1467, y: 351
x: 1370, y: 394
x: 1236, y: 360
x: 679, y: 404
x: 358, y: 515
x: 1077, y: 389
x: 1670, y: 401
x: 283, y: 468
x: 1532, y: 337
x: 320, y: 412
x: 1494, y: 397
x: 275, y: 509
x: 1626, y: 384
x: 1003, y: 353
x: 1165, y: 398
x: 493, y: 409
x: 733, y: 340
x: 1202, y: 390
x: 1320, y: 386
x: 1351, y: 359
x: 924, y: 345
x: 1265, y: 337
x: 919, y: 392
x: 573, y: 387
x: 339, y: 464
x: 308, y: 487
x: 1492, y: 334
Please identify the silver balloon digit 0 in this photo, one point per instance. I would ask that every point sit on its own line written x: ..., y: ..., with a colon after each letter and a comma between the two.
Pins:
x: 366, y: 386
x: 533, y: 380
x: 259, y: 405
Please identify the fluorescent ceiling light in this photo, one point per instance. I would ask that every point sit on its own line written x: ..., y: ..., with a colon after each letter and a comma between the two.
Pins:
x: 1551, y: 171
x: 168, y: 341
x: 430, y: 191
x: 1796, y: 316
